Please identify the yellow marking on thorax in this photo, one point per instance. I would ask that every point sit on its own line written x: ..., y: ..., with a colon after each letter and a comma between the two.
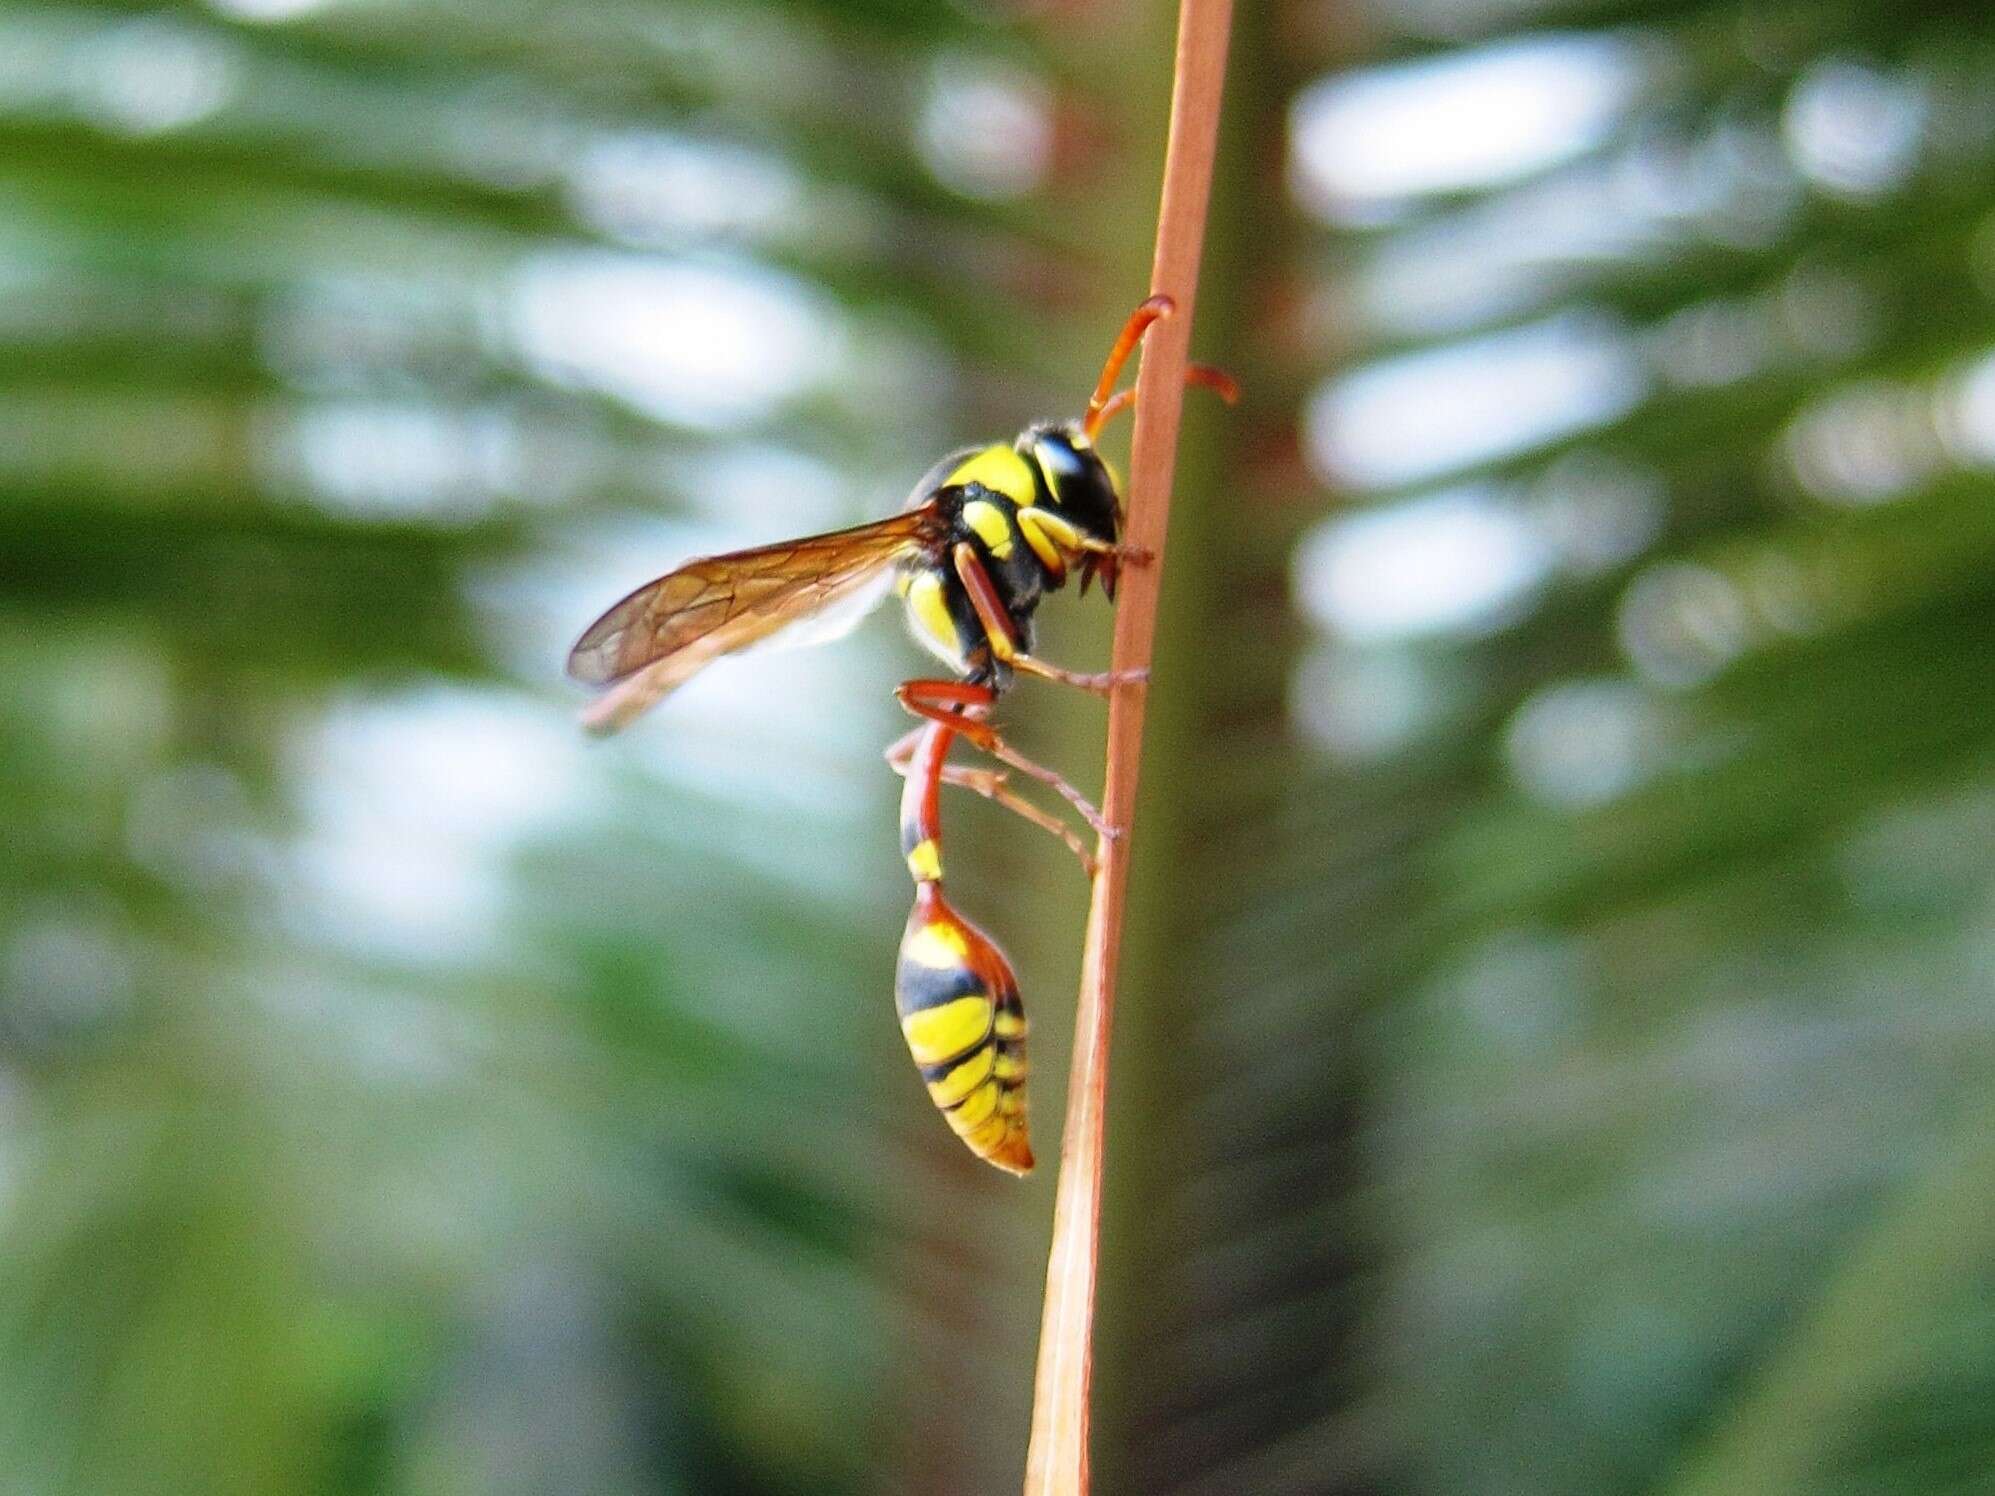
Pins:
x: 925, y: 863
x: 929, y: 608
x: 991, y: 526
x: 947, y: 1030
x: 1001, y: 470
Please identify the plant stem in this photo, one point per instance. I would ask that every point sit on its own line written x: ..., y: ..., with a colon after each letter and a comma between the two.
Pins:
x: 1057, y: 1461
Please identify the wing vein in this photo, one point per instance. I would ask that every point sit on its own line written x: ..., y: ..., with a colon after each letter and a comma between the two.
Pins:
x: 658, y: 637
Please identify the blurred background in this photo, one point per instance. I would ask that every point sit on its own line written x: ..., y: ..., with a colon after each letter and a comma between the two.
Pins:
x: 1560, y: 1013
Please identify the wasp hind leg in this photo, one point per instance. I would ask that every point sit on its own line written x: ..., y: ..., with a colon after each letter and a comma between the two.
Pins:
x: 964, y: 705
x: 990, y: 783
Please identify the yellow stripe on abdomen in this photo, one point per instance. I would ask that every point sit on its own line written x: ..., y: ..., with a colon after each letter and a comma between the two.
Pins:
x: 957, y: 1085
x: 974, y: 1110
x: 939, y: 945
x: 939, y: 1034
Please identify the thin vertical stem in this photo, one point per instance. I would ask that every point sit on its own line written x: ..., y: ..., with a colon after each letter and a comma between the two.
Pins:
x: 1057, y: 1462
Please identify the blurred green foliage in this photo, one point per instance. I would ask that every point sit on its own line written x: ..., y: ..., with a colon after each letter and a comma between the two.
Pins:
x: 1556, y: 1017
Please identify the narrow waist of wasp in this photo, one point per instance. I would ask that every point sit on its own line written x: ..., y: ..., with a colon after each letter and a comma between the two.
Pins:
x: 921, y: 809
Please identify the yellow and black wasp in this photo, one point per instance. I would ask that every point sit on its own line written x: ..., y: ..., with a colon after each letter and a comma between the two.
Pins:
x: 986, y: 534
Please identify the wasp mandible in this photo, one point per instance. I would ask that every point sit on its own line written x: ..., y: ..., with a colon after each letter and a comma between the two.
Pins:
x: 987, y: 533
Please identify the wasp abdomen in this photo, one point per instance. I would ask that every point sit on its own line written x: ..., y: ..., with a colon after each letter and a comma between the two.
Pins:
x: 964, y: 1025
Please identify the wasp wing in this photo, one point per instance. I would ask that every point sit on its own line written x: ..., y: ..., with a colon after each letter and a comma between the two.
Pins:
x: 833, y: 621
x: 665, y: 632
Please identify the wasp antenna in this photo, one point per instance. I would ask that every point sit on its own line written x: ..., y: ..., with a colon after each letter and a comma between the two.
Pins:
x: 1216, y: 380
x: 1117, y: 403
x: 1139, y: 322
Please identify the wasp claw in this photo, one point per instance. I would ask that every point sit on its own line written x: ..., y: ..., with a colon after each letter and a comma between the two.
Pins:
x: 1097, y: 823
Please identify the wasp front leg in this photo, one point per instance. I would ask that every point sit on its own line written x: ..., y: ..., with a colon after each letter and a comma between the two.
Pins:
x: 1128, y: 555
x: 1003, y: 632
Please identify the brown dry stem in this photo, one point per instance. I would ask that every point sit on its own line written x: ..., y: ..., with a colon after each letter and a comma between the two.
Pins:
x: 1057, y: 1462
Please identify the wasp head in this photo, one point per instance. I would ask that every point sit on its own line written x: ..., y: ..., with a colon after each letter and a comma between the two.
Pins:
x: 1082, y: 489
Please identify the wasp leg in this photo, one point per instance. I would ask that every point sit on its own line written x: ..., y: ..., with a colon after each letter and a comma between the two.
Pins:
x: 1132, y: 334
x: 1128, y: 555
x: 1003, y: 633
x: 962, y: 705
x: 1101, y: 683
x: 990, y: 783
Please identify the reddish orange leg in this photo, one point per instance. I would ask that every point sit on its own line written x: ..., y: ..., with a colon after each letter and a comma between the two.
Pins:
x: 1132, y: 334
x: 990, y: 783
x: 1003, y: 633
x: 961, y: 705
x: 1219, y: 380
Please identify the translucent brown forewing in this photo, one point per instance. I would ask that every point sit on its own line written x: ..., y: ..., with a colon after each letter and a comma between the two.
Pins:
x: 665, y: 632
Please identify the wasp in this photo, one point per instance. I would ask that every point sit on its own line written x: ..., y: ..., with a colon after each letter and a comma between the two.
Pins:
x: 985, y: 536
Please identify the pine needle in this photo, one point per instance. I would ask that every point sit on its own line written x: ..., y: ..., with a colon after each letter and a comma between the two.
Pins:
x: 1057, y: 1462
